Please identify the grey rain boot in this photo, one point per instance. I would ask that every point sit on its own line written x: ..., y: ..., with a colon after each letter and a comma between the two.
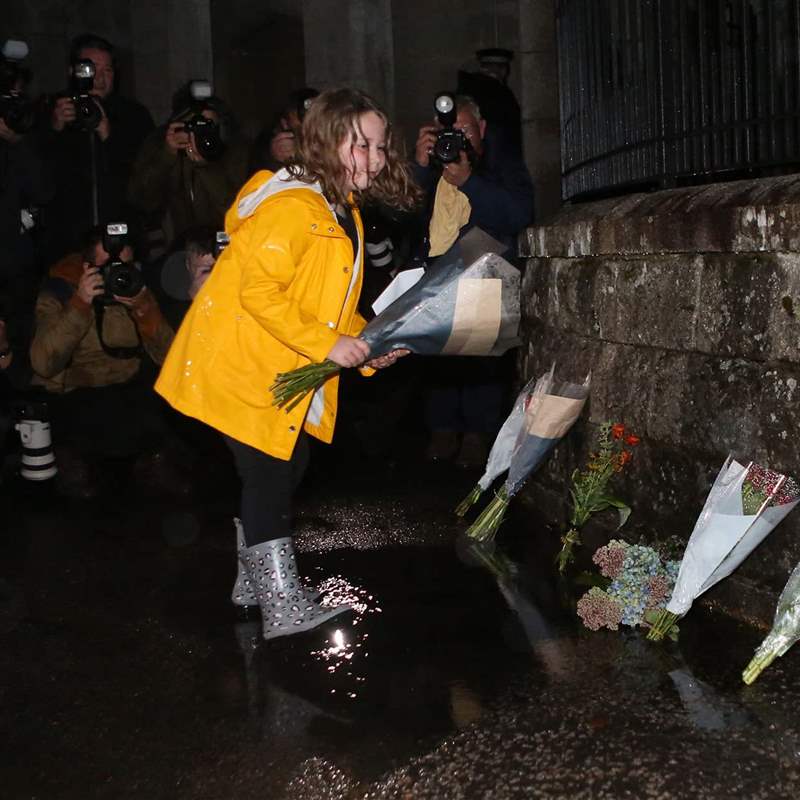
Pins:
x: 243, y: 594
x: 285, y: 606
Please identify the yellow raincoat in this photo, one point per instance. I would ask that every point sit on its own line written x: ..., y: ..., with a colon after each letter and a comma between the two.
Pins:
x: 278, y: 298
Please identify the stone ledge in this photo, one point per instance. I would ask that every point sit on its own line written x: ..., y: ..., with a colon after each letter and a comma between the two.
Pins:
x: 741, y: 217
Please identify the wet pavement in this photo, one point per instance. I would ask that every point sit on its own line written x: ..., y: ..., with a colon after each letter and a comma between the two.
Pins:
x: 124, y: 672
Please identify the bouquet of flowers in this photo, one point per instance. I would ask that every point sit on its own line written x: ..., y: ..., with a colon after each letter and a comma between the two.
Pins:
x: 638, y: 583
x: 785, y: 629
x: 549, y: 412
x: 467, y: 304
x: 743, y: 507
x: 589, y: 492
x: 500, y: 455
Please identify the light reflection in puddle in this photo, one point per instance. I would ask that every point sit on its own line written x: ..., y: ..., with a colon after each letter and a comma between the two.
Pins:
x: 346, y: 647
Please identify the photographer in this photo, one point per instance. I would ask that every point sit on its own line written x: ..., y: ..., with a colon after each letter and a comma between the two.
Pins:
x: 189, y: 170
x: 470, y: 179
x: 276, y: 145
x: 25, y: 184
x: 90, y: 354
x: 178, y: 278
x: 91, y: 137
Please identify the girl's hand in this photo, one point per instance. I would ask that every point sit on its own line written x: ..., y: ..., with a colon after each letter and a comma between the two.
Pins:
x: 386, y: 360
x: 349, y: 351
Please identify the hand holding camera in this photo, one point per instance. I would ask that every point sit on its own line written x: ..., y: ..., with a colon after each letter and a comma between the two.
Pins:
x: 90, y: 285
x: 425, y: 144
x: 82, y: 109
x: 282, y: 146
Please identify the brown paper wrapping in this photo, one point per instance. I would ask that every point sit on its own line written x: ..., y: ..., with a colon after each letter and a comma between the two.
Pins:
x: 550, y: 416
x: 476, y: 321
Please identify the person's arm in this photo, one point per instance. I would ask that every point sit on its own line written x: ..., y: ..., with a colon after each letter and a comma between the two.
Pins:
x: 156, y: 332
x: 35, y: 179
x: 59, y: 330
x: 148, y: 189
x: 502, y: 202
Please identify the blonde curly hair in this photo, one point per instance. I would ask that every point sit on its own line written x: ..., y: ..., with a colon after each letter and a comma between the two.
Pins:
x: 333, y: 118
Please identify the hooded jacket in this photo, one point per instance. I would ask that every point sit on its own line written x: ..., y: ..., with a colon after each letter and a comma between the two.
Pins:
x: 280, y: 295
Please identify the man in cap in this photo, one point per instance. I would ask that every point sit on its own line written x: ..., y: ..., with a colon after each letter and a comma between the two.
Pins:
x: 489, y: 88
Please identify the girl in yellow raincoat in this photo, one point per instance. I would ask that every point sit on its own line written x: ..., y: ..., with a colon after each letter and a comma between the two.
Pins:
x: 284, y: 294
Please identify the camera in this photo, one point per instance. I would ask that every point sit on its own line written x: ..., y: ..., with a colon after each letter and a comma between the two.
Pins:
x: 449, y: 141
x: 207, y: 134
x: 16, y: 110
x: 122, y: 278
x: 377, y: 240
x: 221, y: 241
x: 88, y: 114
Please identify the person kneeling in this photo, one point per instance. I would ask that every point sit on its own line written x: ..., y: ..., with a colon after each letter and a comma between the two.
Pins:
x: 90, y: 355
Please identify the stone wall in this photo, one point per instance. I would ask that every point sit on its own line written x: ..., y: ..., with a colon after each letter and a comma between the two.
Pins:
x: 685, y: 305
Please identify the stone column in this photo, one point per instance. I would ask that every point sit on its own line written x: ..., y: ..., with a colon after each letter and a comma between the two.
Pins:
x: 171, y: 43
x: 350, y: 44
x: 539, y: 100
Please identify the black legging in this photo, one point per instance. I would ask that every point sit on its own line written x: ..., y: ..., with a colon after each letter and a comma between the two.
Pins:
x: 268, y: 484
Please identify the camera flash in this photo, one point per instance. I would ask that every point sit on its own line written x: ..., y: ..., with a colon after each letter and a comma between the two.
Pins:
x: 200, y: 90
x: 444, y: 103
x: 15, y: 50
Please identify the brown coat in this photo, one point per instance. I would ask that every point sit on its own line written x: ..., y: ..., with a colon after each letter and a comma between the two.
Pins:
x: 66, y: 352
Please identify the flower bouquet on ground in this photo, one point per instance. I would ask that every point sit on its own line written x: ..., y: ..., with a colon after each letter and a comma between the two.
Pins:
x: 636, y: 584
x: 466, y: 304
x: 551, y: 411
x: 500, y: 455
x: 589, y: 492
x: 785, y: 629
x: 743, y: 507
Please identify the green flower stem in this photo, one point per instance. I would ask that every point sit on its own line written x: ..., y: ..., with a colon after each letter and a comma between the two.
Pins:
x: 469, y: 501
x: 290, y: 388
x: 662, y: 625
x: 485, y: 527
x: 757, y: 665
x: 568, y: 542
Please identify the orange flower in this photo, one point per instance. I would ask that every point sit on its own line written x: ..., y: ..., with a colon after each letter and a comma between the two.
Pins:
x: 625, y: 457
x: 618, y: 430
x: 632, y: 440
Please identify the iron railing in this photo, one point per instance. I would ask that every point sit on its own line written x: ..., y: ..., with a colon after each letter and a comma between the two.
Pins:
x: 659, y: 93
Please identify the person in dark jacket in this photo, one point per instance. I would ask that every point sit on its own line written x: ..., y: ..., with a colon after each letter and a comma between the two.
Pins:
x: 184, y: 178
x: 25, y: 186
x: 91, y: 166
x: 490, y: 90
x: 488, y: 186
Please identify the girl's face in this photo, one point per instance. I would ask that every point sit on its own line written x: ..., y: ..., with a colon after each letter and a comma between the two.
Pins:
x: 364, y: 154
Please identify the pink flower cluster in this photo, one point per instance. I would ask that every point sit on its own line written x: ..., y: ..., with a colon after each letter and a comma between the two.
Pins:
x: 659, y: 591
x: 764, y: 480
x: 598, y: 610
x: 610, y: 558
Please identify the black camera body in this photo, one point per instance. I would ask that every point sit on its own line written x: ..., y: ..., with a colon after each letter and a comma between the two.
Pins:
x: 16, y: 110
x: 450, y: 143
x: 121, y: 278
x: 88, y: 113
x: 207, y: 136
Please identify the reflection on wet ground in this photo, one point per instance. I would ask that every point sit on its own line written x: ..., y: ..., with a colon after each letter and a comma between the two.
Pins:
x: 461, y: 672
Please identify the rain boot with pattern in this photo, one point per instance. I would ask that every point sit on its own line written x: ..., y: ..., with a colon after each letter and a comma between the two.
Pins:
x: 286, y: 607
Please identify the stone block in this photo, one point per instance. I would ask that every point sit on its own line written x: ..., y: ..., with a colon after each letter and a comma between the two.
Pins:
x: 697, y: 350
